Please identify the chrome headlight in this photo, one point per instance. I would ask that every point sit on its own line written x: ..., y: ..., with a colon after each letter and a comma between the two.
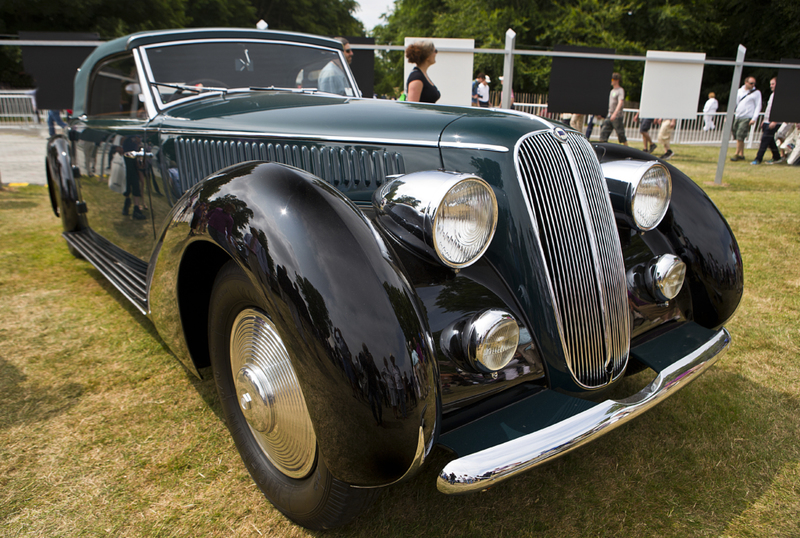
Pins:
x: 492, y: 341
x: 664, y: 277
x: 640, y: 191
x: 450, y: 217
x: 485, y: 342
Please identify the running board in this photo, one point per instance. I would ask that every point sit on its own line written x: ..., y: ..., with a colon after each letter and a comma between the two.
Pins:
x: 126, y: 272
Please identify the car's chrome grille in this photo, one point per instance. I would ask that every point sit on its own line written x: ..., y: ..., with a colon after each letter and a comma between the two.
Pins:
x: 568, y: 200
x: 346, y: 168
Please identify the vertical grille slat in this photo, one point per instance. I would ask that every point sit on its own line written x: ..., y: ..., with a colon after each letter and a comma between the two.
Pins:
x: 577, y: 233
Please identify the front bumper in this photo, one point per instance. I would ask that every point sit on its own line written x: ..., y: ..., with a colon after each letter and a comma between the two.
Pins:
x: 690, y: 350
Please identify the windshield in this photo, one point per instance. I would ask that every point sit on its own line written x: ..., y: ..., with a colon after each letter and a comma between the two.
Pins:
x: 224, y: 65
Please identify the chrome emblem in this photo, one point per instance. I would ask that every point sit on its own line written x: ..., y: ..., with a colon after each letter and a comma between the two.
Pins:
x: 559, y: 134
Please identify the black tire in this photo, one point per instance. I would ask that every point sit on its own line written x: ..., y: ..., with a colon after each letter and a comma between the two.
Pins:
x: 315, y: 500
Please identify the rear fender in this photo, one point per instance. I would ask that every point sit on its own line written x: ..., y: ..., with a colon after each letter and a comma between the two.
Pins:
x: 337, y: 295
x: 61, y: 184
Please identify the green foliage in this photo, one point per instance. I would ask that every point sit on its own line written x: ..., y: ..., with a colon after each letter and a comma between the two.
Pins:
x: 628, y: 26
x: 324, y: 17
x: 115, y: 19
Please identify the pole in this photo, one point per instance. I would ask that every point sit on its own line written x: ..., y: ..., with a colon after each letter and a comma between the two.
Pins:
x: 726, y: 130
x: 508, y: 68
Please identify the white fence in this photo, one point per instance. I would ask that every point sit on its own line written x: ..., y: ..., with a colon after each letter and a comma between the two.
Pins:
x: 687, y: 131
x: 18, y: 108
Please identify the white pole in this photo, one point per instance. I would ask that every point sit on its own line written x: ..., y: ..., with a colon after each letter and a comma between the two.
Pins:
x: 726, y: 129
x: 508, y: 68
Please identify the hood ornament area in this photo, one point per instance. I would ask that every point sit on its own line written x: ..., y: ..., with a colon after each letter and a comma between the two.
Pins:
x: 559, y: 134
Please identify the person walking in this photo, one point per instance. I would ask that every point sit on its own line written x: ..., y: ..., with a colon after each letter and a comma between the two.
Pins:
x: 748, y: 106
x: 665, y: 136
x: 768, y: 130
x: 483, y: 91
x: 613, y: 122
x: 644, y: 129
x: 709, y: 109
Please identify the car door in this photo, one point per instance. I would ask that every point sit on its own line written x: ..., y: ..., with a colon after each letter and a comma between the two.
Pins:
x: 109, y: 152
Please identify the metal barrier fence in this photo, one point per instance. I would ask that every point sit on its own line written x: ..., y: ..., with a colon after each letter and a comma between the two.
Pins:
x: 18, y: 108
x: 687, y: 131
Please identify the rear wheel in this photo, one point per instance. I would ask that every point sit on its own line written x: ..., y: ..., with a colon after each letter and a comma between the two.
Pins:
x: 266, y: 412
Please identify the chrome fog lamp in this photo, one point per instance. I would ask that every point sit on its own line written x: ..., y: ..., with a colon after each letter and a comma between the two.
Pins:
x: 664, y: 277
x: 492, y: 339
x: 448, y: 216
x: 640, y: 191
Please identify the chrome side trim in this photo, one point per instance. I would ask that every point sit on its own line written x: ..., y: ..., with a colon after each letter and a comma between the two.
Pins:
x: 481, y: 147
x: 488, y: 467
x: 306, y: 136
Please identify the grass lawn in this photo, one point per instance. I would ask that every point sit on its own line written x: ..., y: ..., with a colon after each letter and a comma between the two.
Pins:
x: 103, y: 432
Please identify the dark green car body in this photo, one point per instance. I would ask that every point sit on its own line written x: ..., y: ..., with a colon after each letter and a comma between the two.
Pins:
x: 293, y: 173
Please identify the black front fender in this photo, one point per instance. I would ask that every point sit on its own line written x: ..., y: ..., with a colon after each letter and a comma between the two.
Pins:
x: 338, y: 296
x: 701, y: 236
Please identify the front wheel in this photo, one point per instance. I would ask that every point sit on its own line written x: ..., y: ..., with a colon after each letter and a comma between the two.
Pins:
x: 265, y: 409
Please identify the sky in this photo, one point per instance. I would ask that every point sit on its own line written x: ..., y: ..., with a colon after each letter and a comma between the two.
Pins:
x: 370, y: 11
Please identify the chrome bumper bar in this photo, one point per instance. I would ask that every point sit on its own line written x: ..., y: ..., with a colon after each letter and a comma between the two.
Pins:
x: 486, y: 468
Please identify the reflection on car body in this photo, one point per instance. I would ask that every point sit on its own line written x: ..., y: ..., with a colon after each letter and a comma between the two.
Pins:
x: 370, y: 279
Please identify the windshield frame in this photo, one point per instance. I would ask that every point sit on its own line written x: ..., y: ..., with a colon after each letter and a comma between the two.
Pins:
x: 153, y: 96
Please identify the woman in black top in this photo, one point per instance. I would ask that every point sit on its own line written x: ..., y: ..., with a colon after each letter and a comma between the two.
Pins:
x: 419, y: 86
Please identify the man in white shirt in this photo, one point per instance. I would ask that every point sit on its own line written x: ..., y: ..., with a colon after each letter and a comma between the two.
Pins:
x: 748, y: 107
x: 709, y: 110
x: 483, y: 92
x: 332, y: 78
x: 768, y: 130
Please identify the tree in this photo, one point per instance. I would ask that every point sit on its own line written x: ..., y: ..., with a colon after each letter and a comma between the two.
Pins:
x: 115, y: 19
x: 769, y: 31
x: 322, y: 17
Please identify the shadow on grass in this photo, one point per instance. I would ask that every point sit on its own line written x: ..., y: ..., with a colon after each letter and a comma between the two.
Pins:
x: 23, y: 401
x: 690, y: 466
x: 205, y: 387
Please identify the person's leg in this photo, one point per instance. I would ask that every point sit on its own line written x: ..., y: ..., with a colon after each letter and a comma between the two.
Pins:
x: 619, y: 127
x: 605, y: 132
x: 762, y: 147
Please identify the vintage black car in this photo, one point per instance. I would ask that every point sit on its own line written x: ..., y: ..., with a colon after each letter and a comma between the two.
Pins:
x: 367, y: 278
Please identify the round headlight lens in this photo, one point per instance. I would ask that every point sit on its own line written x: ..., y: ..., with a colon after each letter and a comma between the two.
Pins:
x: 465, y: 222
x: 666, y: 277
x: 496, y: 339
x: 651, y: 197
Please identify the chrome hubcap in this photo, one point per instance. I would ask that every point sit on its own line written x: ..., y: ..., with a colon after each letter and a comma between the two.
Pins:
x: 269, y: 394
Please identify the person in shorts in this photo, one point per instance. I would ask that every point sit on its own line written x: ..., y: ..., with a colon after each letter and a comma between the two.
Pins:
x: 748, y: 107
x: 644, y: 130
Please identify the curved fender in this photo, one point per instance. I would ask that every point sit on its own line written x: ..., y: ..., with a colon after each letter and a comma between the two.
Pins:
x: 702, y: 238
x: 343, y: 307
x: 61, y: 183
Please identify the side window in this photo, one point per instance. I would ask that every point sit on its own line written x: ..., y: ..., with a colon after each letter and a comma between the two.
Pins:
x: 114, y: 89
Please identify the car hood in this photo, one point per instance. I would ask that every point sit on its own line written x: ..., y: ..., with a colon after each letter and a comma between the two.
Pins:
x: 313, y: 116
x: 379, y: 121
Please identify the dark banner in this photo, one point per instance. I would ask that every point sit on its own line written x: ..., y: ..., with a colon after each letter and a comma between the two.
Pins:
x: 53, y: 68
x: 580, y: 85
x: 785, y: 104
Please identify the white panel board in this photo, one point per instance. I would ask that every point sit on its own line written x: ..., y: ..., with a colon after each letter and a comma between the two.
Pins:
x: 671, y: 87
x: 452, y: 72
